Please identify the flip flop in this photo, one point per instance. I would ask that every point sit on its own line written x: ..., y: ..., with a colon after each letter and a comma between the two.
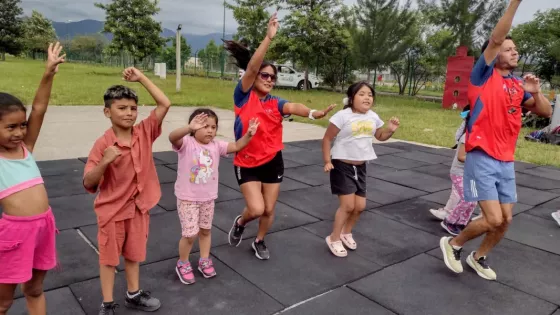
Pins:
x: 336, y: 247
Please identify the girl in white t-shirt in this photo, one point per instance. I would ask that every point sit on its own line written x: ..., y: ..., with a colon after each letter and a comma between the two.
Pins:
x: 352, y: 130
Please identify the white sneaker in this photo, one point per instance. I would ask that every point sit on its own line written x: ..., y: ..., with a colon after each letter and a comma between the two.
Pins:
x: 556, y: 216
x: 439, y: 213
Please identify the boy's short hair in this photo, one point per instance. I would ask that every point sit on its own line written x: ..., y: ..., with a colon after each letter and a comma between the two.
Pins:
x: 119, y: 92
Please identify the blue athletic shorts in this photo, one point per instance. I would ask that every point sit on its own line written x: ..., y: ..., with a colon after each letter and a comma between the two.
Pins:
x: 486, y: 178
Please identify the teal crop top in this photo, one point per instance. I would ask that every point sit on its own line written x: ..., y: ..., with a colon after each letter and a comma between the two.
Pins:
x: 18, y: 175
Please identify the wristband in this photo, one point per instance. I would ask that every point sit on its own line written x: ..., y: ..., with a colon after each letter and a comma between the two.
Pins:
x: 311, y: 114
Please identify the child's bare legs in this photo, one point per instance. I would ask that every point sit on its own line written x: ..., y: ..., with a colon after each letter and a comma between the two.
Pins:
x: 359, y: 206
x: 185, y: 247
x: 343, y: 213
x: 107, y: 277
x: 204, y: 241
x: 33, y: 291
x: 6, y: 297
x: 132, y: 271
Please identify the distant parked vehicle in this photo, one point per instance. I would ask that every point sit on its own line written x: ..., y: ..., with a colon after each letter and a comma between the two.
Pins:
x: 288, y: 77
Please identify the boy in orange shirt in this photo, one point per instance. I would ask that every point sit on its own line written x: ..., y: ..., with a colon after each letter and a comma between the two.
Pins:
x: 121, y: 167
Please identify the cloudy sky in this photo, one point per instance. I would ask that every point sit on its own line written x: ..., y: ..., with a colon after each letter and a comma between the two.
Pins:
x: 198, y: 16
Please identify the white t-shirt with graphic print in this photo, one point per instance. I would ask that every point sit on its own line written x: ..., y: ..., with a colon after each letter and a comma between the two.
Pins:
x: 354, y: 141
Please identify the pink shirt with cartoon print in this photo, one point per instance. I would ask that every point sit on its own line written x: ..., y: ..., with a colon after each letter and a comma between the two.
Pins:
x: 197, y: 169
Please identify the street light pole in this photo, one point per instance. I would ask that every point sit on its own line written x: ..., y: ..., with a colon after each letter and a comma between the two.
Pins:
x: 223, y: 37
x: 178, y: 58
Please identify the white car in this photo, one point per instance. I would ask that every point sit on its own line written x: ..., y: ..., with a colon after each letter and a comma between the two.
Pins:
x: 288, y: 77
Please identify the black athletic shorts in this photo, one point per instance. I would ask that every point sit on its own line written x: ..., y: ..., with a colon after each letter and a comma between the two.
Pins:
x: 347, y: 179
x: 271, y: 172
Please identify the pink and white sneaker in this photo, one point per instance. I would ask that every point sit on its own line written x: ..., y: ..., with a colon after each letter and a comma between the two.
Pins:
x: 185, y: 272
x: 206, y: 267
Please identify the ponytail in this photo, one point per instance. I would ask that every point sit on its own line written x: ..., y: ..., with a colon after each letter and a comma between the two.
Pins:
x: 239, y: 52
x: 242, y: 55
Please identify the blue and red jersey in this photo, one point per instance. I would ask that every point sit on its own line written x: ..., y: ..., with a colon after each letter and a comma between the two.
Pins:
x: 268, y: 140
x: 495, y: 117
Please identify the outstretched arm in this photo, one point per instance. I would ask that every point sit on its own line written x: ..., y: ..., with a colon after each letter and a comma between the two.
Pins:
x: 258, y: 58
x: 304, y: 111
x: 500, y: 32
x: 163, y: 103
x: 41, y: 100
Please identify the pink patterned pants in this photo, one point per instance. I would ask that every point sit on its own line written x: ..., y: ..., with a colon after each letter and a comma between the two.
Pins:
x: 195, y: 215
x: 463, y: 210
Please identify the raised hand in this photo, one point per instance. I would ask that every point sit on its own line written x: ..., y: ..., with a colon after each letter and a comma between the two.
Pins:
x: 199, y: 121
x: 54, y: 58
x: 111, y: 154
x: 253, y: 125
x: 532, y: 84
x: 132, y: 74
x: 328, y: 167
x: 322, y: 113
x: 394, y: 124
x: 272, y: 26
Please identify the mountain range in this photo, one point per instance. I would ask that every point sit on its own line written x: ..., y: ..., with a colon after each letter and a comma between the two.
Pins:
x: 87, y: 27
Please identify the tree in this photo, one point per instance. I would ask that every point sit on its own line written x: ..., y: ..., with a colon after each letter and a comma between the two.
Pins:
x: 38, y: 33
x: 169, y: 54
x: 89, y: 46
x: 381, y: 27
x: 133, y: 27
x: 252, y: 18
x: 305, y: 31
x: 470, y: 21
x: 11, y: 28
x: 539, y: 44
x: 336, y: 63
x: 209, y: 55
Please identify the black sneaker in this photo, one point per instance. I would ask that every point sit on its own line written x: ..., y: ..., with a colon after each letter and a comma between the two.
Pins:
x: 260, y: 250
x: 236, y: 232
x: 108, y: 309
x: 143, y: 302
x: 453, y: 229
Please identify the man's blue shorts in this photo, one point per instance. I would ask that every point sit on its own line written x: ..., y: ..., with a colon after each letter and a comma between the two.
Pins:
x: 486, y: 178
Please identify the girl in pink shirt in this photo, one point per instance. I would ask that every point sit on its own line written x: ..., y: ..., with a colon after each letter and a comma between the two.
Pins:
x: 196, y: 187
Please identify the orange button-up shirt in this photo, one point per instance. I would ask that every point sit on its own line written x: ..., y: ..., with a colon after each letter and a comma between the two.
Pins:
x: 131, y: 181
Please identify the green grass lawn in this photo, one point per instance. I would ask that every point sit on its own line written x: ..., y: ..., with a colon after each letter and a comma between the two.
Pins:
x: 78, y: 84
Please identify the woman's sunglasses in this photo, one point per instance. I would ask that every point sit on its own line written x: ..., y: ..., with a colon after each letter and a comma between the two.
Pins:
x: 265, y: 76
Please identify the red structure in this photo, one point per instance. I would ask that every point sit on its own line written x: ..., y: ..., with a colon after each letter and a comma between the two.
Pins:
x: 459, y: 69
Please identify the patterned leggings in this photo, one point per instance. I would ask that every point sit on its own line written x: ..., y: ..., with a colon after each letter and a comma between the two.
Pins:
x: 463, y: 210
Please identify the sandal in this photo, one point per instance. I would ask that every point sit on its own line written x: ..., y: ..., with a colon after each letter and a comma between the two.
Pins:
x: 348, y: 241
x: 336, y: 247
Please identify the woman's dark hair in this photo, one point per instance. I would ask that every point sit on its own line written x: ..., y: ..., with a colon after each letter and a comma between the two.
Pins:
x: 353, y: 90
x: 242, y: 55
x: 9, y: 104
x: 207, y: 111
